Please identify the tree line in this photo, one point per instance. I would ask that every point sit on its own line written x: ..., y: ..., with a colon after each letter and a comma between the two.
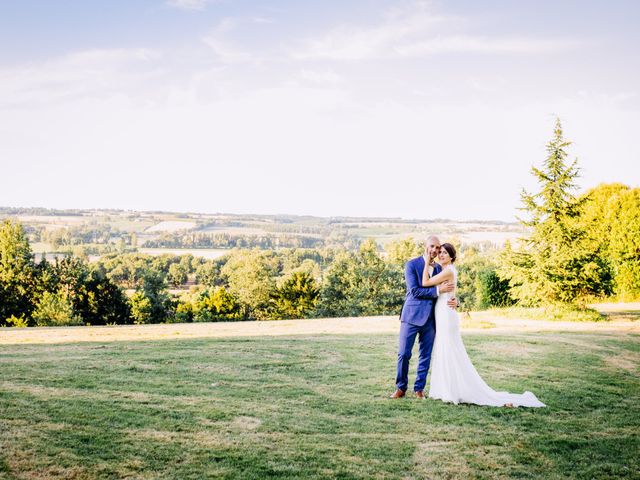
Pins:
x: 246, y: 284
x: 579, y: 248
x: 227, y: 240
x: 100, y: 239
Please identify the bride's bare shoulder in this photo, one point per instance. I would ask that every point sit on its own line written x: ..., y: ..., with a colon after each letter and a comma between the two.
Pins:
x: 450, y: 271
x: 447, y: 271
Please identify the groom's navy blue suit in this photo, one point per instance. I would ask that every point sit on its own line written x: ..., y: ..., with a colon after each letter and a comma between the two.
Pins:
x: 417, y: 318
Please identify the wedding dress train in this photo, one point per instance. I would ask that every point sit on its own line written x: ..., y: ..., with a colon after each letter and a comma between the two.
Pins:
x: 453, y: 376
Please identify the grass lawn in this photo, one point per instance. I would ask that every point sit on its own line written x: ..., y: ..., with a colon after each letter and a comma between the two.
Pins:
x: 314, y: 407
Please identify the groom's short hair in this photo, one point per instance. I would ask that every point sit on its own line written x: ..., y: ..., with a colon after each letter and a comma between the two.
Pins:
x: 431, y: 237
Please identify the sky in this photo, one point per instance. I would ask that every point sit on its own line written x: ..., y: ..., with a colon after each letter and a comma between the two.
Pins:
x: 405, y: 109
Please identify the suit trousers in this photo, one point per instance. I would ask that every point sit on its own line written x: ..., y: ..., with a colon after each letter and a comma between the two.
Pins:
x: 426, y: 334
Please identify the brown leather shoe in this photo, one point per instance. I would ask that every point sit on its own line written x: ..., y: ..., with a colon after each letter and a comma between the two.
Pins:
x: 398, y: 394
x: 420, y: 394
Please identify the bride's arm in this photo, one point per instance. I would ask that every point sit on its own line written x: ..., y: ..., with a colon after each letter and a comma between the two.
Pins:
x: 443, y: 276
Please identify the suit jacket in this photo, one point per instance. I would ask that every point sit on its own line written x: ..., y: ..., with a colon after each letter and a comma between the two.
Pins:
x: 419, y: 301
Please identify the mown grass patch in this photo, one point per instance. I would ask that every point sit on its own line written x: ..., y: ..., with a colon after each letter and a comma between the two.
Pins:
x: 314, y: 407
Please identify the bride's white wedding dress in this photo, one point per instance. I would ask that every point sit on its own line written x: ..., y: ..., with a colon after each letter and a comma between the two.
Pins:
x: 453, y: 376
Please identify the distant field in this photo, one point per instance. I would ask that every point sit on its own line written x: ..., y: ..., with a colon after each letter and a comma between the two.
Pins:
x: 208, y: 253
x: 39, y: 247
x: 455, y: 232
x: 235, y: 230
x: 171, y: 226
x: 314, y: 406
x: 57, y: 219
x: 119, y: 222
x: 494, y: 237
x: 148, y: 225
x: 137, y: 225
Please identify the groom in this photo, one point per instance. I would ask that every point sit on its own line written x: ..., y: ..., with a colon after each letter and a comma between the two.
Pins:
x: 418, y: 318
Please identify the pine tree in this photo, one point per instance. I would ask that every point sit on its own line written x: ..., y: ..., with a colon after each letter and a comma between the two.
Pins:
x: 551, y: 265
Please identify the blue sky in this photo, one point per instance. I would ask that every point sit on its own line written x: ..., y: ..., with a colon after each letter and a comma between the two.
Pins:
x: 373, y: 108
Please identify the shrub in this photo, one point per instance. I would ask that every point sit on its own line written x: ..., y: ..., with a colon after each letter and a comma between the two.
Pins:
x: 55, y: 309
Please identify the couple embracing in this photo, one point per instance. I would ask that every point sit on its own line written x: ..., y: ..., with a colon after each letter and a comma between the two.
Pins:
x: 429, y: 314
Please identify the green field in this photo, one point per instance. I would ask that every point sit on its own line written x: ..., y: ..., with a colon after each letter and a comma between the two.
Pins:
x: 314, y: 407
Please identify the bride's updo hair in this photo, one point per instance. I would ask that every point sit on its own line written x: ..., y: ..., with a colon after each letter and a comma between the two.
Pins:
x: 450, y: 250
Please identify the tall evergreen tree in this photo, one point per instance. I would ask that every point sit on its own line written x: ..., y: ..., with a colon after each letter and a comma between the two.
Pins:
x: 552, y: 265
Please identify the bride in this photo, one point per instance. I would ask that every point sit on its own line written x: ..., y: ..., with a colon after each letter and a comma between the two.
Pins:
x: 453, y: 376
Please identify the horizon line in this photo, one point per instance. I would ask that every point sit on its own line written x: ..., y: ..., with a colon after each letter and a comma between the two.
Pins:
x: 328, y: 217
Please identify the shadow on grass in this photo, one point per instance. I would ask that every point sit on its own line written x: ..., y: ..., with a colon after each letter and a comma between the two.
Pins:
x: 622, y: 315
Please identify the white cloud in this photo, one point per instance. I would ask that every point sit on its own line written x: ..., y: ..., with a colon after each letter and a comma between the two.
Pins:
x: 478, y: 44
x: 352, y: 42
x: 417, y: 31
x: 319, y: 77
x: 224, y: 49
x: 90, y: 72
x: 226, y: 52
x: 188, y: 4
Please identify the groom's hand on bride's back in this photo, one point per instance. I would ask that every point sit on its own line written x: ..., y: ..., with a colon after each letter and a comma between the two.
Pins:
x: 453, y: 302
